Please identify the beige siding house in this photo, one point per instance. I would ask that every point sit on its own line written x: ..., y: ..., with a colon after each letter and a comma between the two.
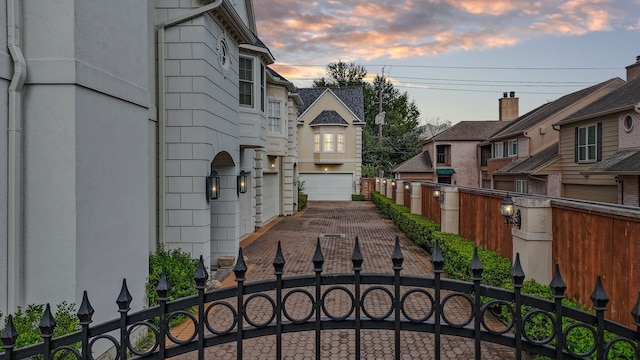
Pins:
x: 330, y: 142
x: 600, y: 146
x: 529, y: 142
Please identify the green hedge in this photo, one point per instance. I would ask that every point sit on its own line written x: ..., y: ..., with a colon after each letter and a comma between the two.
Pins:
x: 357, y: 197
x: 458, y: 253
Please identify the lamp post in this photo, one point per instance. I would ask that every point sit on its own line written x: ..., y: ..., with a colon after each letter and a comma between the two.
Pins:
x: 509, y: 212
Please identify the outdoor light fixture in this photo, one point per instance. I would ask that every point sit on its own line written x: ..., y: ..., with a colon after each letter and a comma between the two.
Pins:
x: 213, y: 186
x: 438, y: 194
x: 393, y: 184
x: 242, y: 182
x: 377, y: 180
x: 384, y: 181
x: 407, y: 187
x: 509, y: 212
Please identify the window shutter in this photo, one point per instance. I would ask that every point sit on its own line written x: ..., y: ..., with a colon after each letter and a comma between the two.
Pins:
x: 599, y: 142
x: 575, y: 146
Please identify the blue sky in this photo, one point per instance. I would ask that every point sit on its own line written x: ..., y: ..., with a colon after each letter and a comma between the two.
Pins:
x: 455, y: 58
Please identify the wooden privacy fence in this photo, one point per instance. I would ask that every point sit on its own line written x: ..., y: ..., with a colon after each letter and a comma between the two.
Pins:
x: 430, y: 207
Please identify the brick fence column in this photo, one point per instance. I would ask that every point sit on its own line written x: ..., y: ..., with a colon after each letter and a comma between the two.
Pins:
x: 416, y: 198
x: 449, y: 210
x: 534, y: 238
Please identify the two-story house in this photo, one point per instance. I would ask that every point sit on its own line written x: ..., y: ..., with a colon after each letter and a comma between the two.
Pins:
x: 527, y: 144
x: 451, y: 157
x: 600, y: 146
x: 330, y: 142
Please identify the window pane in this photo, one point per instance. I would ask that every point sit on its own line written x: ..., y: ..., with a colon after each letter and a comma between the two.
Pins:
x: 328, y: 145
x: 340, y: 142
x: 273, y: 110
x: 592, y: 135
x: 582, y: 136
x: 246, y: 90
x: 316, y: 143
x: 592, y: 152
x: 582, y: 155
x: 246, y: 69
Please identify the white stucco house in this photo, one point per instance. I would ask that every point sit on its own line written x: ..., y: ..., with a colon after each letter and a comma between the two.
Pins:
x: 118, y: 113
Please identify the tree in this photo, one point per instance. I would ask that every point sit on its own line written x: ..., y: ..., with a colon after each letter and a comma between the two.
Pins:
x: 402, y: 134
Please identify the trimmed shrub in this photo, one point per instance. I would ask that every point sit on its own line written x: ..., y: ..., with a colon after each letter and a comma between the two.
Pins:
x: 357, y: 197
x: 180, y: 270
x: 302, y: 201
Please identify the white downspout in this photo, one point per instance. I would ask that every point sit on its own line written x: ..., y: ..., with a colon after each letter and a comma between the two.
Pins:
x: 15, y: 154
x: 162, y: 151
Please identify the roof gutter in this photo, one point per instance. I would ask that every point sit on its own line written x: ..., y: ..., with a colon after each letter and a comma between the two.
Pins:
x: 162, y: 143
x: 15, y: 155
x: 591, y: 116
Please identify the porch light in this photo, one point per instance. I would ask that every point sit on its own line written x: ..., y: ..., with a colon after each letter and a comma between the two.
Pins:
x: 213, y: 186
x: 509, y: 212
x: 393, y: 183
x: 242, y: 182
x: 438, y: 194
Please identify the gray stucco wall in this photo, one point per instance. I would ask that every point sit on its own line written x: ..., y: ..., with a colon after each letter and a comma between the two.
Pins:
x: 87, y: 134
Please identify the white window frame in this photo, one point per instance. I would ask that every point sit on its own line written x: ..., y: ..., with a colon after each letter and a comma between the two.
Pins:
x: 498, y: 150
x: 274, y: 118
x: 329, y: 142
x: 340, y: 142
x: 521, y: 186
x: 584, y: 146
x: 512, y: 147
x: 246, y: 81
x: 317, y: 145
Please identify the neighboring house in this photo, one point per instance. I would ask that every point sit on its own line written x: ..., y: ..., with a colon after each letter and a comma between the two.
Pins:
x: 330, y: 142
x: 127, y: 109
x: 524, y: 145
x: 450, y: 157
x: 600, y: 146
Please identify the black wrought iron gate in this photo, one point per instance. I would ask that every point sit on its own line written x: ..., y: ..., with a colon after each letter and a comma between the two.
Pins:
x: 279, y: 314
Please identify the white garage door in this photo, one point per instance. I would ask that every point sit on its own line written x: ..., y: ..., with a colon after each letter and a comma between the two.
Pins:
x: 271, y: 197
x: 328, y: 186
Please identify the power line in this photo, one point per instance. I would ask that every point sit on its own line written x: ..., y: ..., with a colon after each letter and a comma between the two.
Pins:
x: 466, y: 67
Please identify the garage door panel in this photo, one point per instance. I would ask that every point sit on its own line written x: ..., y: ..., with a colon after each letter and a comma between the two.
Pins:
x: 328, y: 187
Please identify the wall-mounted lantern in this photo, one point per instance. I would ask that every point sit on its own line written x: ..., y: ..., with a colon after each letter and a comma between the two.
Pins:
x: 384, y: 182
x: 393, y: 183
x: 407, y: 187
x: 377, y: 180
x: 242, y: 182
x: 213, y: 186
x: 509, y: 212
x: 438, y: 194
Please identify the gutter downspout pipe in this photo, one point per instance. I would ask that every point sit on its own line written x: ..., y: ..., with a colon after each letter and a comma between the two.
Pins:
x: 162, y: 145
x: 15, y: 154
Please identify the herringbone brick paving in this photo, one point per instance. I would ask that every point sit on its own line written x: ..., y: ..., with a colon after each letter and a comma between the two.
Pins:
x: 377, y: 235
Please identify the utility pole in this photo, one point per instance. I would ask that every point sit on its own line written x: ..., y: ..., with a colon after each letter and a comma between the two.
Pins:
x: 380, y: 116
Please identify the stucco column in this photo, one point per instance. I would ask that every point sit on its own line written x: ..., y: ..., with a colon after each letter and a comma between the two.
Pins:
x: 534, y: 238
x: 389, y: 190
x: 399, y: 192
x: 378, y: 181
x: 449, y: 210
x: 416, y: 198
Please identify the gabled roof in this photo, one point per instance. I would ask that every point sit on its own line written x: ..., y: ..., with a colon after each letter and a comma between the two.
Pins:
x: 532, y: 163
x: 623, y: 98
x: 351, y: 96
x: 623, y: 162
x: 420, y: 163
x: 329, y: 117
x: 469, y: 130
x: 541, y: 113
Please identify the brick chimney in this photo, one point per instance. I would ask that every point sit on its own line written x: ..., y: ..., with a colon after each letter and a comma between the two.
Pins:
x: 633, y: 70
x: 508, y: 107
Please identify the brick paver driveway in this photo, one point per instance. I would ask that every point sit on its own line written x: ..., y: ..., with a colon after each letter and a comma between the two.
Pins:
x: 377, y: 234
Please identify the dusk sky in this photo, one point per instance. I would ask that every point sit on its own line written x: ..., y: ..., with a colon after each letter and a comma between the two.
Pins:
x: 455, y: 58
